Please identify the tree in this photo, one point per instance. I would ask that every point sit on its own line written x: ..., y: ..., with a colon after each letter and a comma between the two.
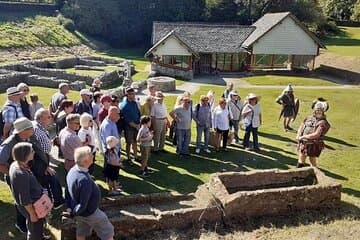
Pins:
x: 338, y: 10
x: 356, y: 12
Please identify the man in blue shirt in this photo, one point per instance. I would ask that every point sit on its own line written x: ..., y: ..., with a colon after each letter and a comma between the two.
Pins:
x: 130, y: 110
x: 86, y: 196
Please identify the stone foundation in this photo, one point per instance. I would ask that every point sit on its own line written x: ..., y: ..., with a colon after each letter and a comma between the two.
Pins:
x: 50, y: 73
x: 227, y: 196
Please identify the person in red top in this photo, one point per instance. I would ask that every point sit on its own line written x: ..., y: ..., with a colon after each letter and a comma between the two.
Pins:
x: 106, y: 102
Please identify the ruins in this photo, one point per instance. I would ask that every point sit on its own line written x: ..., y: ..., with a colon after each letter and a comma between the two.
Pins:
x: 227, y: 196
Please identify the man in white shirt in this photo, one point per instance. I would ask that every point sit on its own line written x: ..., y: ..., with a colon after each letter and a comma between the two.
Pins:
x: 159, y: 119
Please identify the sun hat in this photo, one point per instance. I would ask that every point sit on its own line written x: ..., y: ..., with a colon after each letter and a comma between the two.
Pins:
x: 233, y: 93
x: 320, y: 106
x: 12, y: 91
x: 129, y: 90
x: 159, y: 95
x: 22, y: 124
x: 288, y: 88
x: 105, y: 98
x: 111, y: 142
x: 61, y: 85
x: 252, y: 96
x: 86, y: 92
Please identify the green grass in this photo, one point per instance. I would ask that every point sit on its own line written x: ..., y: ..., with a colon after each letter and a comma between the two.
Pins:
x: 36, y: 31
x: 346, y: 43
x: 339, y: 161
x: 285, y: 80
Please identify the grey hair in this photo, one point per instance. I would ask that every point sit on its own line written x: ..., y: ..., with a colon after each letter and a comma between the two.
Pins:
x: 39, y: 113
x: 81, y: 154
x: 21, y: 86
x: 72, y: 117
x: 21, y: 151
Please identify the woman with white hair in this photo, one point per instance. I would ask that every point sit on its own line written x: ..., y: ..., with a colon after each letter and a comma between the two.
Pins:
x: 310, y: 135
x: 86, y: 135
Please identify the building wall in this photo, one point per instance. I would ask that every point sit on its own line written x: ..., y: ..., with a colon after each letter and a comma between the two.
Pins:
x: 286, y: 38
x: 171, y: 46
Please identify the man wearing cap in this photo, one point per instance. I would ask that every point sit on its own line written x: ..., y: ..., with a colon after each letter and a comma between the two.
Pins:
x: 202, y: 117
x: 131, y: 112
x: 11, y: 110
x: 287, y: 100
x: 235, y: 106
x: 25, y: 107
x: 84, y: 105
x: 159, y: 120
x: 58, y: 97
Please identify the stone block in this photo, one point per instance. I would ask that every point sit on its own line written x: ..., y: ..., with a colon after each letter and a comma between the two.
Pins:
x: 162, y: 83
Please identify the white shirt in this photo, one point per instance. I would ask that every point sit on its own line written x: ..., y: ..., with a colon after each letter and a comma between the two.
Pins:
x: 221, y: 118
x: 158, y: 110
x: 253, y: 117
x: 87, y: 132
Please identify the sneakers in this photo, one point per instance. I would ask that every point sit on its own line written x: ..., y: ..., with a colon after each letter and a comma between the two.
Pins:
x: 149, y: 171
x: 197, y: 150
x: 207, y: 151
x: 114, y: 193
x: 22, y: 229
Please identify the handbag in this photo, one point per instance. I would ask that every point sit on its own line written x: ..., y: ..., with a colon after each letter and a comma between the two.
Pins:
x: 43, y: 206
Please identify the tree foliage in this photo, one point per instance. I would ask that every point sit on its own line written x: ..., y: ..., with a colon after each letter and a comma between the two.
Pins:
x: 338, y: 10
x: 125, y: 23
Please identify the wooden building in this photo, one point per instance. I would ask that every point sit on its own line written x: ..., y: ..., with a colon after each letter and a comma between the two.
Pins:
x: 277, y: 40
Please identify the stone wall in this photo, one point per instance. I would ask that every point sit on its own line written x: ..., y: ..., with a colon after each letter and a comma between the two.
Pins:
x: 172, y: 72
x: 227, y: 196
x: 50, y: 73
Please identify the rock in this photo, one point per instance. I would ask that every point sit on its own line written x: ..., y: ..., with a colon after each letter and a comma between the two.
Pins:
x: 162, y: 83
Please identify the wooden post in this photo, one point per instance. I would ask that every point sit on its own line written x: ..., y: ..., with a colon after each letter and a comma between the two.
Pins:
x: 313, y: 65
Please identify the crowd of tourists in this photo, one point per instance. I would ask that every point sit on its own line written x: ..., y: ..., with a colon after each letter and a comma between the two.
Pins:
x: 98, y: 121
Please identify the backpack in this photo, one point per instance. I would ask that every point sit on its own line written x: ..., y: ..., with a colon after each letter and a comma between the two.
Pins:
x: 2, y: 122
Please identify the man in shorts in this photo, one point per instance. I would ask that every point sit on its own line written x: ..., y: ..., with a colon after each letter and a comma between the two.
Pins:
x: 86, y: 196
x: 130, y: 110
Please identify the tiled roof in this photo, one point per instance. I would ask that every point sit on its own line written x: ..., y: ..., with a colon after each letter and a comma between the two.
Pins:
x: 205, y: 37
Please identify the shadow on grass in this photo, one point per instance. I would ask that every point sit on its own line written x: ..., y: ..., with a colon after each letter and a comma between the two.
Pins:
x: 351, y: 192
x: 339, y: 141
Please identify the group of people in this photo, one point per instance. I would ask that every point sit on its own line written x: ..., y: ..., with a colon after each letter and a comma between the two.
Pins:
x: 97, y: 122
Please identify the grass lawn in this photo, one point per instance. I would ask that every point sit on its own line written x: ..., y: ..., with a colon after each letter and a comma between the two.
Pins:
x: 347, y: 43
x: 339, y: 161
x: 285, y: 80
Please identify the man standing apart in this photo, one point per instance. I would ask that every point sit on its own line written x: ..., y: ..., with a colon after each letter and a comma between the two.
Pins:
x: 130, y: 110
x: 159, y: 119
x: 86, y: 196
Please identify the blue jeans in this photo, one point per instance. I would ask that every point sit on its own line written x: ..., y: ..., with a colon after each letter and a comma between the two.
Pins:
x: 235, y: 124
x: 183, y: 141
x: 199, y: 131
x: 249, y: 129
